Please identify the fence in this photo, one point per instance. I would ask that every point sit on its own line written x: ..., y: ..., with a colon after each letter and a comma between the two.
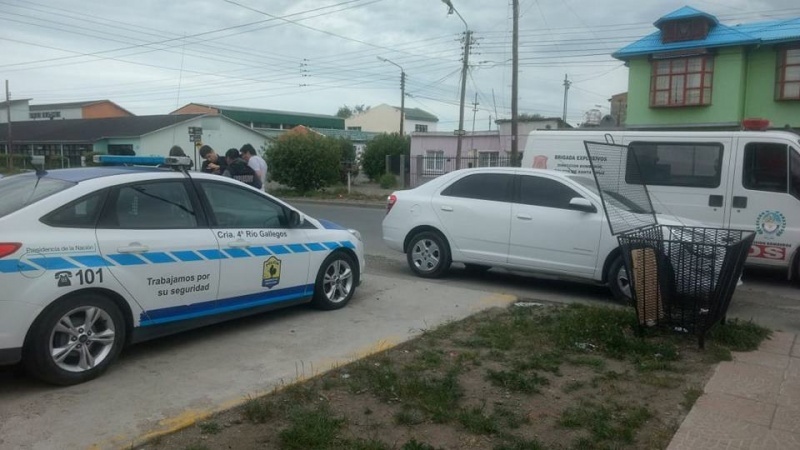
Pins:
x: 425, y: 168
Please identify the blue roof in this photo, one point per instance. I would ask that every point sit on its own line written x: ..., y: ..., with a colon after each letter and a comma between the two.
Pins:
x: 770, y: 32
x: 687, y: 12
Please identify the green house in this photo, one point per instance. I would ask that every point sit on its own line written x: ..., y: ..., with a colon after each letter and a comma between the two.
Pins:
x: 695, y: 72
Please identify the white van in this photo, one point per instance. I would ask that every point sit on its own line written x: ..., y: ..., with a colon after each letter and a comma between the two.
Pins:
x: 734, y: 179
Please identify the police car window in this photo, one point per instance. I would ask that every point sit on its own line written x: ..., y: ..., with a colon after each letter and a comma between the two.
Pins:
x: 766, y: 167
x: 794, y: 164
x: 235, y: 207
x: 161, y: 205
x: 539, y: 191
x: 692, y: 164
x: 82, y: 213
x: 482, y: 186
x: 18, y: 191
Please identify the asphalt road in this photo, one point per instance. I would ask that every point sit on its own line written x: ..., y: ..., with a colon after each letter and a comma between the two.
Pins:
x: 765, y: 297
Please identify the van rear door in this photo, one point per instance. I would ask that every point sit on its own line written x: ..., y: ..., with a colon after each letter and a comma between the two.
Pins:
x: 766, y: 197
x: 685, y: 177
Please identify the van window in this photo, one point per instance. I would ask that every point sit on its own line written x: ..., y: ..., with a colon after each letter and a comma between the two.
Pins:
x: 766, y: 167
x: 675, y: 164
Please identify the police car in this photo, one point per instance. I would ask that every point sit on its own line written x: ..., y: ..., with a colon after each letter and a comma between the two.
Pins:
x: 95, y: 258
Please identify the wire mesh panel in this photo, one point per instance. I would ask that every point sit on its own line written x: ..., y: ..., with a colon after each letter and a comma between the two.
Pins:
x: 684, y: 277
x: 627, y: 205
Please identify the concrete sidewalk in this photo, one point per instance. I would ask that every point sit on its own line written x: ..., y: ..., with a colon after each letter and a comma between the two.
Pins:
x: 752, y: 402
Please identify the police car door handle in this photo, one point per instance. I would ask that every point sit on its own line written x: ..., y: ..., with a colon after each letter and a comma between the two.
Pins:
x: 239, y: 243
x: 133, y: 247
x: 447, y: 208
x: 524, y: 217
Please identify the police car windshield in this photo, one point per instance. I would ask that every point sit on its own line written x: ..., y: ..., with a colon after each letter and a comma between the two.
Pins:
x: 18, y: 191
x: 613, y: 198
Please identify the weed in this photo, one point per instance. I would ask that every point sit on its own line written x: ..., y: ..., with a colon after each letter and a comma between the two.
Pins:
x: 572, y: 386
x: 409, y: 416
x: 516, y: 381
x: 497, y: 355
x: 662, y: 381
x: 496, y: 334
x: 196, y: 447
x: 606, y: 422
x: 548, y: 362
x: 598, y: 364
x: 515, y: 443
x: 510, y: 418
x: 258, y: 410
x: 469, y: 356
x: 429, y: 359
x: 367, y: 411
x: 209, y: 427
x: 690, y: 396
x: 300, y: 393
x: 476, y: 421
x: 311, y: 428
x: 363, y: 444
x: 716, y: 353
x: 739, y: 335
x: 414, y: 445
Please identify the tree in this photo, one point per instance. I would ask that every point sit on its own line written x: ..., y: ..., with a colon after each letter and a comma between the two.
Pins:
x: 374, y: 158
x: 304, y: 161
x: 525, y: 116
x: 347, y: 156
x: 346, y: 112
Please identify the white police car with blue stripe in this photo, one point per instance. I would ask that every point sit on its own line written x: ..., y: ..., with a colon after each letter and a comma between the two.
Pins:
x: 95, y: 258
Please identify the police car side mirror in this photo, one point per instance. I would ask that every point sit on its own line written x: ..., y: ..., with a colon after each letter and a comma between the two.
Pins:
x: 581, y: 204
x: 295, y: 219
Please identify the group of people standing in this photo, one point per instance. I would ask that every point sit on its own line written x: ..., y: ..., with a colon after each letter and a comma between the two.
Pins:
x: 244, y: 164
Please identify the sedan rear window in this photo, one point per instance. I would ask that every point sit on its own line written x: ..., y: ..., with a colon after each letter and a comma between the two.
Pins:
x: 19, y: 191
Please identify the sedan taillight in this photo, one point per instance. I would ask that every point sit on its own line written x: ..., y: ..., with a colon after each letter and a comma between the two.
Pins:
x: 390, y: 201
x: 7, y: 248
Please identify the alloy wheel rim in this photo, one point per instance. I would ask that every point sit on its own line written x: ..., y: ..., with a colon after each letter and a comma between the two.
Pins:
x: 82, y: 339
x: 337, y: 281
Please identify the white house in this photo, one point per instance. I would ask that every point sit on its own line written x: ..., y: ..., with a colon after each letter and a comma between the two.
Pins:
x: 386, y: 119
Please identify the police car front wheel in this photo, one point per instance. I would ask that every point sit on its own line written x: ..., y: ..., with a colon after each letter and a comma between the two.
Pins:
x: 75, y: 340
x: 336, y: 281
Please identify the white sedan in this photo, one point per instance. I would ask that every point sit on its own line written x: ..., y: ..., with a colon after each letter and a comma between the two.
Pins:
x: 95, y: 258
x: 514, y: 218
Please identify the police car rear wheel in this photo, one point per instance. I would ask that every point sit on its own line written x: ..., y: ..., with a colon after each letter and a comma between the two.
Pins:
x: 75, y: 340
x: 335, y: 282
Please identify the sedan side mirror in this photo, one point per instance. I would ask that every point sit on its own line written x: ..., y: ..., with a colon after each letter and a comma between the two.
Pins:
x: 295, y: 219
x: 581, y: 204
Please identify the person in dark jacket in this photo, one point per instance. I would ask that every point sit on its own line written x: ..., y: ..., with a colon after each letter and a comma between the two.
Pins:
x: 238, y: 169
x: 213, y: 163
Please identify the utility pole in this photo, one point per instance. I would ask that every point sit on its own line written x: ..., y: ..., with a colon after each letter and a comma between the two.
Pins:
x: 567, y: 84
x: 464, y: 68
x: 402, y: 100
x: 474, y: 111
x: 514, y: 86
x: 9, y: 141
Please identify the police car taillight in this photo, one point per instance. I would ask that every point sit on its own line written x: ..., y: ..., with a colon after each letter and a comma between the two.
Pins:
x: 755, y: 124
x: 7, y: 248
x: 390, y: 201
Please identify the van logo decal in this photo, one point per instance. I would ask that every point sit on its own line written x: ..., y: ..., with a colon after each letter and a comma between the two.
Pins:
x: 770, y: 223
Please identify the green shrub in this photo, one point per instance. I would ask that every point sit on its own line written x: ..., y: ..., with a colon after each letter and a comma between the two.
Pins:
x: 304, y: 161
x: 388, y: 181
x: 373, y: 161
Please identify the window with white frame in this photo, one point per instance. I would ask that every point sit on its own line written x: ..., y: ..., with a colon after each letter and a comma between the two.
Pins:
x: 421, y: 128
x: 434, y: 162
x: 488, y: 159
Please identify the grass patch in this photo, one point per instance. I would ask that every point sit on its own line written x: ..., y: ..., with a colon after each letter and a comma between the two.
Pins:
x: 409, y: 416
x: 661, y: 381
x: 475, y: 420
x: 547, y: 362
x: 516, y: 381
x: 690, y: 396
x: 510, y: 418
x: 209, y: 427
x: 738, y: 335
x: 314, y: 428
x: 258, y: 410
x: 596, y: 363
x: 428, y: 359
x: 515, y: 443
x: 606, y: 422
x: 572, y: 386
x: 414, y: 445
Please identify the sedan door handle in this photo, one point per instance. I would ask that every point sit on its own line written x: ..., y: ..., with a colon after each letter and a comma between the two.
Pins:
x: 447, y: 208
x: 524, y: 217
x: 239, y: 243
x: 133, y: 247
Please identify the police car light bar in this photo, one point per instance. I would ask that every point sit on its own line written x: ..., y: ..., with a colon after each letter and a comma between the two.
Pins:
x: 119, y: 160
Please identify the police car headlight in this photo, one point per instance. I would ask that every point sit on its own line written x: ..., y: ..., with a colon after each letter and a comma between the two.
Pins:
x: 355, y: 233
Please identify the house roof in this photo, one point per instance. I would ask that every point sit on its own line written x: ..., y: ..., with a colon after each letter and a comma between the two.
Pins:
x: 418, y: 114
x: 721, y: 35
x: 51, y: 106
x: 19, y: 100
x: 687, y: 12
x: 91, y: 130
x: 257, y: 115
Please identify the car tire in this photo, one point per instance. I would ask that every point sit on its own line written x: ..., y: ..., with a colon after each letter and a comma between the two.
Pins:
x: 428, y: 255
x: 476, y: 269
x: 336, y: 282
x: 86, y: 351
x: 618, y: 281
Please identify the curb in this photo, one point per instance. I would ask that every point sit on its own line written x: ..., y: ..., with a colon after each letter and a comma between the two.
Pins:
x: 331, y: 202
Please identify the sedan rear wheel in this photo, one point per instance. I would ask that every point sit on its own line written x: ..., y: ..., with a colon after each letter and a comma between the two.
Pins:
x: 75, y: 340
x: 428, y: 255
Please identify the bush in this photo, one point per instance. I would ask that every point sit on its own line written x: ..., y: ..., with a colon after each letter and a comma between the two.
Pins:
x: 374, y: 158
x: 347, y: 157
x: 387, y: 181
x: 304, y: 161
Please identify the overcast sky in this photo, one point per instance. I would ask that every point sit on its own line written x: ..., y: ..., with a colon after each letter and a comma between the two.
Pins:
x: 153, y: 56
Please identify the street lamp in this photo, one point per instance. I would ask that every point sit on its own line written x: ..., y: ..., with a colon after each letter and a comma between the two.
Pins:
x: 402, y: 91
x: 467, y: 41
